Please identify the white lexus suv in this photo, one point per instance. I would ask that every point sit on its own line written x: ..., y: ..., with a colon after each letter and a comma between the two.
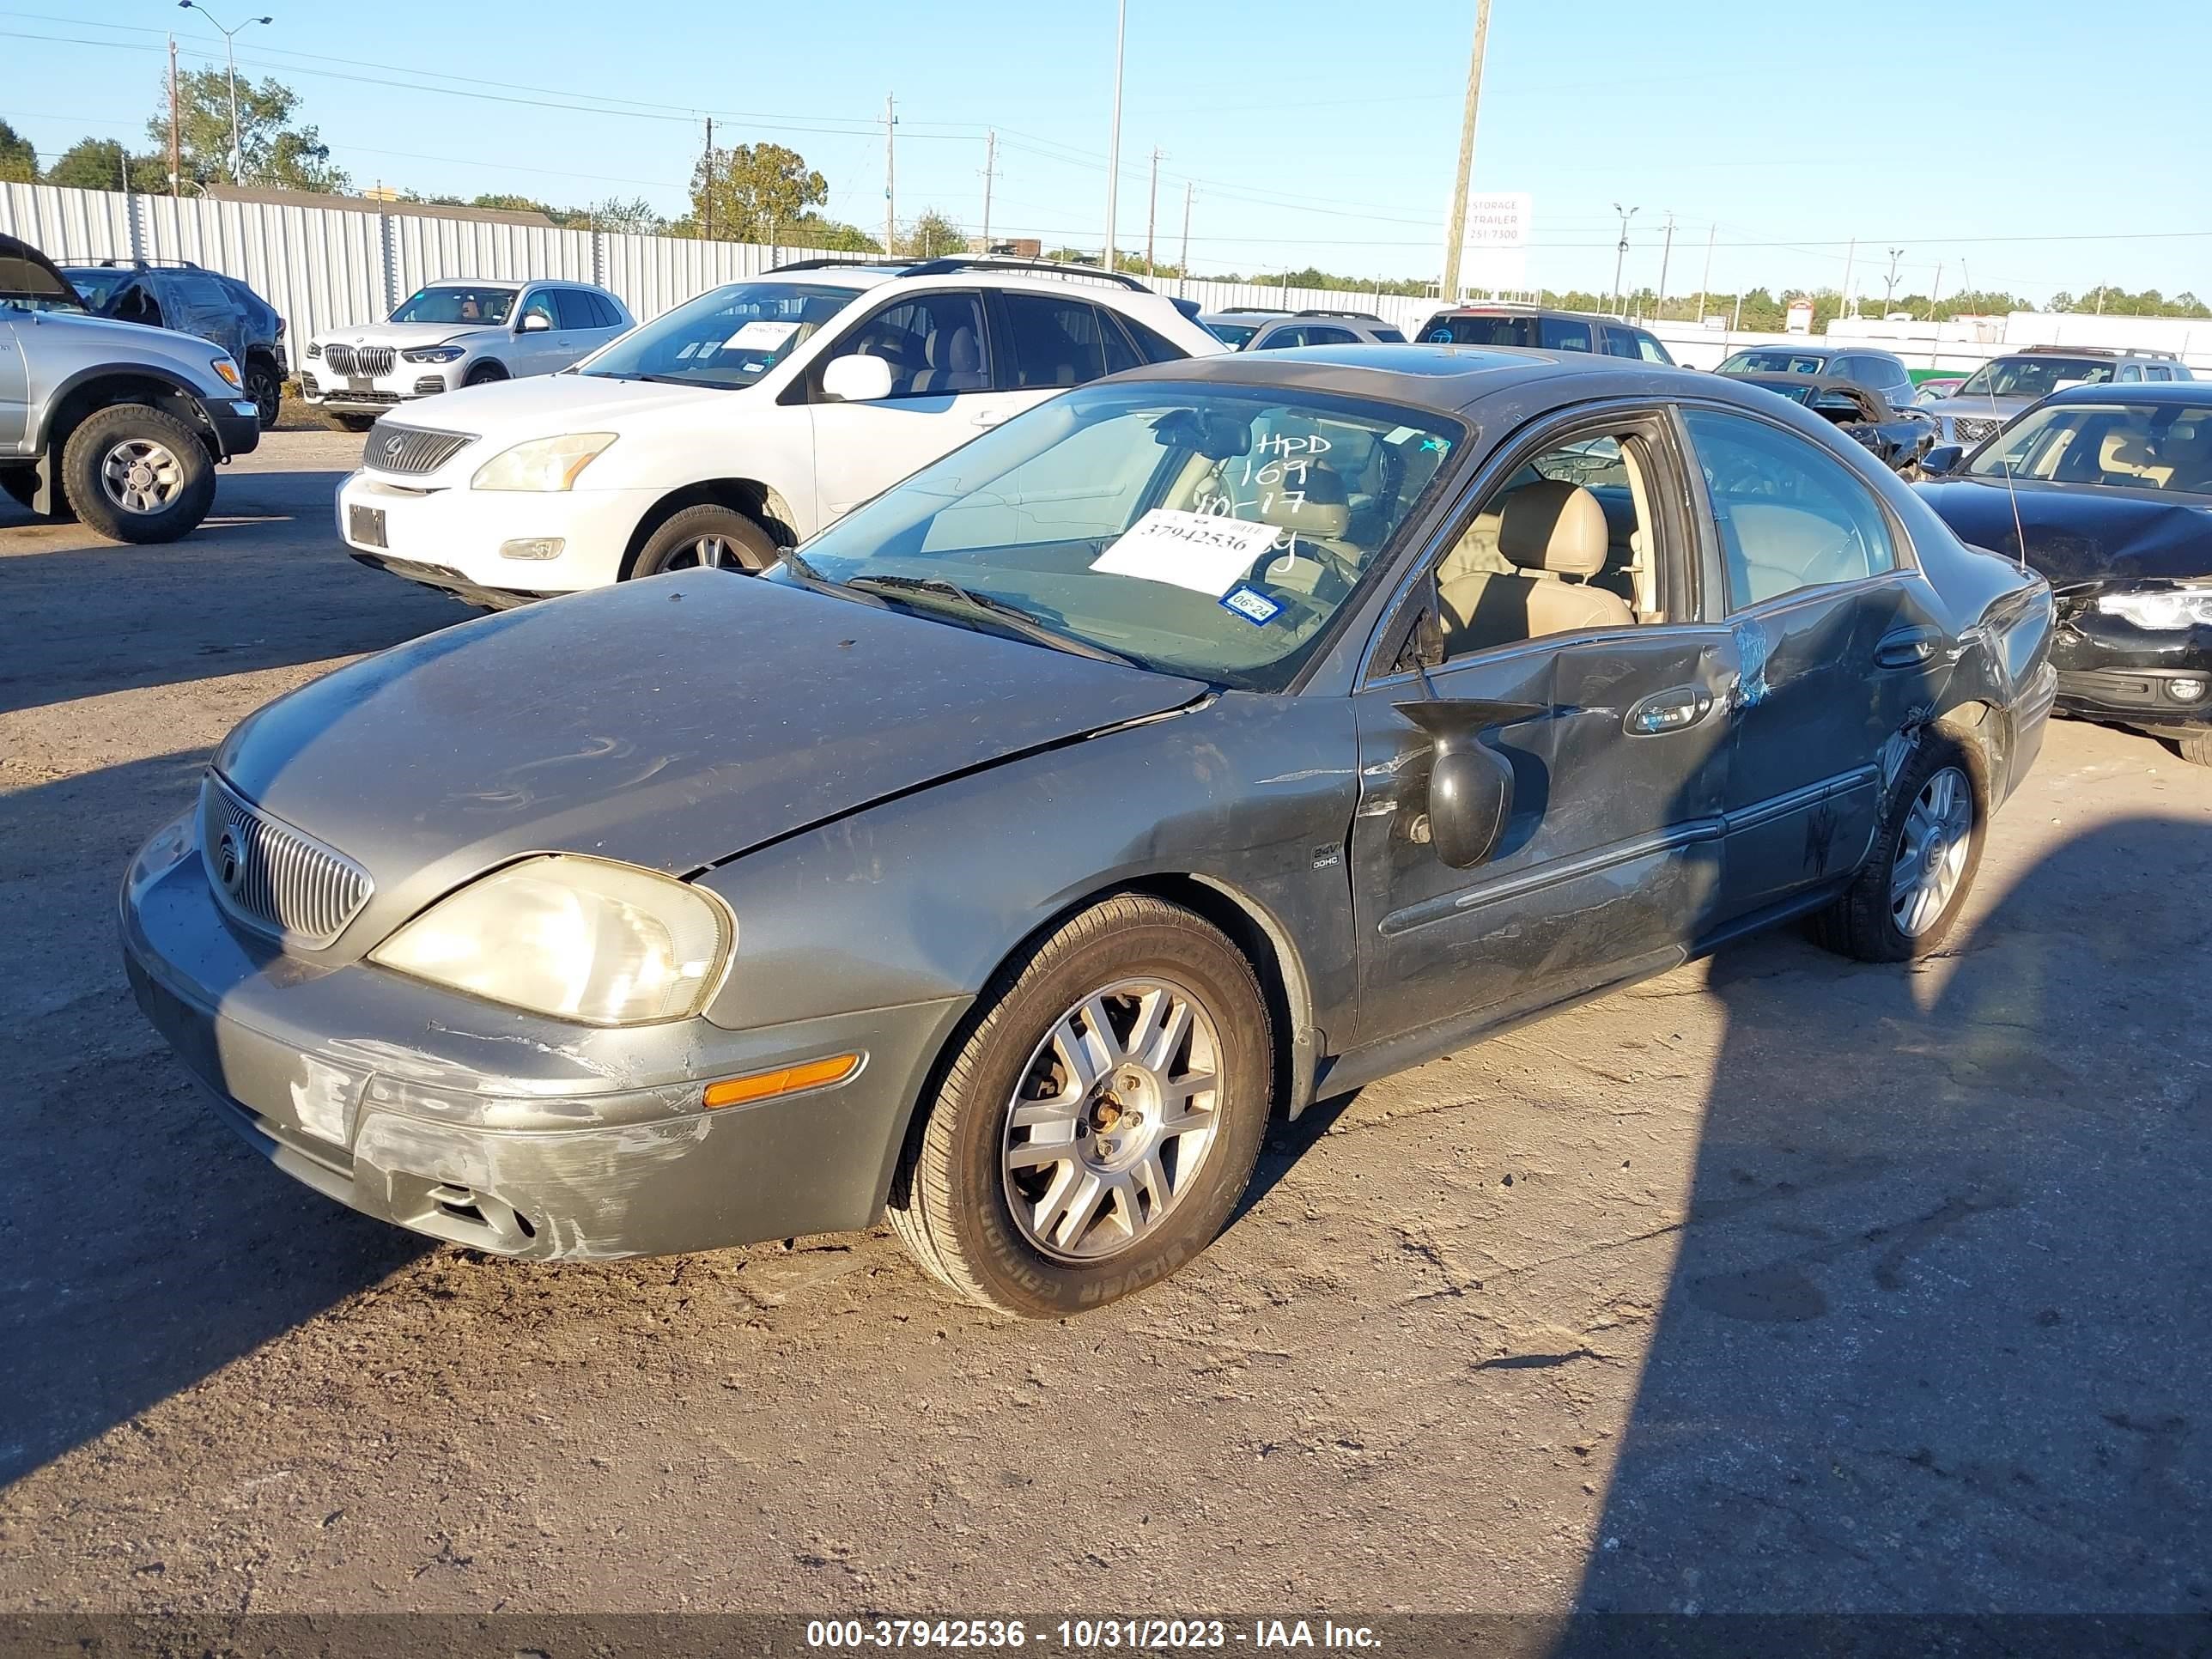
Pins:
x: 737, y: 425
x: 456, y: 334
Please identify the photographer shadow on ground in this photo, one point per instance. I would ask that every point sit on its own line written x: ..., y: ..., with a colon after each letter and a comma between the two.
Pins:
x: 1934, y: 1340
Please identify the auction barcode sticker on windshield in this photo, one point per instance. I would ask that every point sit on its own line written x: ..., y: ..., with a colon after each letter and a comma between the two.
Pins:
x: 1196, y: 551
x: 760, y: 335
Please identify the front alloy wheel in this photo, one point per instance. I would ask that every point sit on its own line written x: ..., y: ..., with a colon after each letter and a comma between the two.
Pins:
x: 1099, y: 1122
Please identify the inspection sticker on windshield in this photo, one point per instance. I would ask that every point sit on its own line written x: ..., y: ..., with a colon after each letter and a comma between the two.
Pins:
x: 1249, y: 603
x: 1196, y: 551
x: 760, y: 335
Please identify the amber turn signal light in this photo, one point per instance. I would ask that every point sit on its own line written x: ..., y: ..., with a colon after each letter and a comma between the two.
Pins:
x: 765, y: 1085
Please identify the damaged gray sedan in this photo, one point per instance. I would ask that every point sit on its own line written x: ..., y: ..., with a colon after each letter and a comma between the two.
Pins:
x: 1210, y: 740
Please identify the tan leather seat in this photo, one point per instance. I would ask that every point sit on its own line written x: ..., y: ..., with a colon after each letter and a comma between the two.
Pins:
x: 1557, y: 531
x: 1313, y: 504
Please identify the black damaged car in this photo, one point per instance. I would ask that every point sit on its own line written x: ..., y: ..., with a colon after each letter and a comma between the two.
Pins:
x: 1897, y: 437
x: 2110, y: 490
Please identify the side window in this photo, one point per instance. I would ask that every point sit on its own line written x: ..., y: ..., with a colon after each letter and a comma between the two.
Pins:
x: 2157, y: 372
x: 2130, y: 372
x: 1387, y: 336
x: 1151, y: 347
x: 1619, y: 343
x: 540, y: 304
x: 1649, y: 348
x: 1322, y: 334
x: 1056, y: 342
x: 1280, y: 339
x: 1789, y: 515
x: 574, y: 308
x: 1565, y: 544
x: 1850, y: 368
x: 610, y: 314
x: 1563, y: 334
x: 935, y: 343
x: 1897, y: 379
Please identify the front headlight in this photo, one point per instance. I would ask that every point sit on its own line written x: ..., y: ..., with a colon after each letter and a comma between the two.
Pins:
x: 2160, y: 611
x: 229, y: 371
x: 435, y: 354
x: 314, y: 348
x: 542, y: 464
x: 575, y: 938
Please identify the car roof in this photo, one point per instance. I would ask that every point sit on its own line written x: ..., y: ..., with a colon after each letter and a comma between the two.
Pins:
x: 1517, y: 308
x: 1449, y: 380
x: 2182, y: 394
x: 1805, y: 350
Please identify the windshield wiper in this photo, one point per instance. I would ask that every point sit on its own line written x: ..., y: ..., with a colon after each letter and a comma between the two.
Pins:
x: 908, y: 589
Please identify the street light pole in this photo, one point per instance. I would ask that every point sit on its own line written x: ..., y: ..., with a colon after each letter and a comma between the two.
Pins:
x: 1455, y: 224
x: 1113, y: 144
x: 230, y: 54
x: 1620, y: 256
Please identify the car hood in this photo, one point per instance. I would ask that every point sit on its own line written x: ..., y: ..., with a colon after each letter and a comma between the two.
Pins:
x: 547, y: 405
x: 129, y: 340
x: 2079, y: 534
x: 671, y: 723
x: 409, y: 334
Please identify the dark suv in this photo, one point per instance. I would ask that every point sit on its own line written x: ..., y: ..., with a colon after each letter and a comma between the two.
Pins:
x: 1548, y: 329
x: 178, y: 295
x: 1877, y: 371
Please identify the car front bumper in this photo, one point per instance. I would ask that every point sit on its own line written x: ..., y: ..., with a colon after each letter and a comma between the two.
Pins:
x: 507, y: 1132
x: 466, y: 537
x: 373, y: 394
x: 2112, y: 671
x: 236, y: 424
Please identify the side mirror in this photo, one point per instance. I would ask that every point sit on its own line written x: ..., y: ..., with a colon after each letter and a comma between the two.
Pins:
x: 535, y: 322
x: 1470, y: 798
x: 1942, y: 459
x: 856, y: 379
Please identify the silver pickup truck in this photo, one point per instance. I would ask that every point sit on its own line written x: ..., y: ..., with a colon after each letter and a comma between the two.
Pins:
x: 117, y: 424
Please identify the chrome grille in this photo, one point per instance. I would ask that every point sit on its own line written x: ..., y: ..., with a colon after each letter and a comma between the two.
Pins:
x: 273, y: 878
x: 411, y: 448
x: 1972, y: 432
x: 360, y: 359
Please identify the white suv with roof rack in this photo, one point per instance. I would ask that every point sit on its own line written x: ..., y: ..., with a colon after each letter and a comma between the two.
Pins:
x: 737, y: 425
x: 453, y: 334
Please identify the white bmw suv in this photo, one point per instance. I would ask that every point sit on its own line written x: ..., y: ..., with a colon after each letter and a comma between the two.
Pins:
x: 737, y: 425
x: 456, y: 334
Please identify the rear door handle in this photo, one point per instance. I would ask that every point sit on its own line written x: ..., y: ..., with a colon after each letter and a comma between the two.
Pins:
x: 1908, y: 647
x: 1677, y: 709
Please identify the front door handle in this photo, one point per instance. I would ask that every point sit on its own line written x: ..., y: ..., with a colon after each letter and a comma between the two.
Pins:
x: 990, y: 418
x: 1907, y: 647
x: 1674, y: 710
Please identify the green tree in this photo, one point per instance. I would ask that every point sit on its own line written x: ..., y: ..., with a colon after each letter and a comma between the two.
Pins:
x: 19, y: 162
x: 272, y: 150
x: 752, y: 192
x: 933, y: 236
x: 104, y: 164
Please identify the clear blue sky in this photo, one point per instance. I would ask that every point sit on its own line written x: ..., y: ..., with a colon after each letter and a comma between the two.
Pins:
x: 2018, y: 142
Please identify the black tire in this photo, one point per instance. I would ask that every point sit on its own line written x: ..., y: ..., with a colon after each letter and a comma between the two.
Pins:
x: 484, y: 374
x: 266, y: 389
x: 90, y: 449
x: 2197, y: 748
x: 1863, y: 924
x: 340, y: 420
x: 685, y: 541
x: 950, y: 1204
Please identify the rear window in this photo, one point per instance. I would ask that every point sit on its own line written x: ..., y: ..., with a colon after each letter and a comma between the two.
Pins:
x: 1563, y: 334
x: 1445, y: 329
x: 1775, y: 363
x: 1387, y: 336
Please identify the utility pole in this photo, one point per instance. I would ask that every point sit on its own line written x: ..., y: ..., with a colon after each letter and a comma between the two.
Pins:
x: 1666, y: 254
x: 707, y: 186
x: 1935, y: 293
x: 1621, y: 254
x: 1183, y: 282
x: 1705, y: 282
x: 890, y: 132
x: 1889, y: 281
x: 1844, y: 300
x: 1114, y: 143
x: 230, y: 50
x: 1934, y: 328
x: 176, y: 159
x: 1152, y: 212
x: 990, y: 172
x: 1455, y: 224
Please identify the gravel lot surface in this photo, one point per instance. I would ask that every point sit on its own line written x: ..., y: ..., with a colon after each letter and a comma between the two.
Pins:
x: 1778, y: 1283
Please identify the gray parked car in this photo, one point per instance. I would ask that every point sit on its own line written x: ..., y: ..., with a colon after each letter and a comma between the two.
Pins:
x: 119, y: 425
x: 1251, y: 328
x: 1208, y: 740
x: 2005, y: 387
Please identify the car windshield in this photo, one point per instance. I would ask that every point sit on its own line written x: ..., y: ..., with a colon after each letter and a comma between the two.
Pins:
x: 1230, y: 334
x: 97, y: 286
x: 1480, y: 331
x: 2112, y: 445
x: 729, y: 336
x: 1210, y: 531
x: 2034, y: 377
x: 457, y: 304
x: 1774, y: 362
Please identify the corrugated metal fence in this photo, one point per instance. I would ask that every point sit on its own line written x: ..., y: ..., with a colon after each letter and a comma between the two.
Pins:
x: 327, y: 268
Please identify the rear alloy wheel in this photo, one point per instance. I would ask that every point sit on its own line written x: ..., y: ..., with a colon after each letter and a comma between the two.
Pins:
x: 706, y: 537
x: 135, y: 474
x: 1929, y: 845
x: 266, y: 391
x: 1097, y: 1127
